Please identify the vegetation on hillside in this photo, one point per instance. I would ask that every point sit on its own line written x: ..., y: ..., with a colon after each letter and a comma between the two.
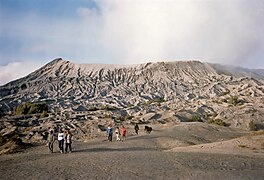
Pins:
x: 31, y: 108
x: 195, y: 118
x: 156, y: 100
x: 101, y: 107
x: 219, y: 122
x: 234, y: 100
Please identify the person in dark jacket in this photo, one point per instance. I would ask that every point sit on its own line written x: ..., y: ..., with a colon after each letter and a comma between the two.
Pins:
x: 68, y: 141
x: 136, y: 129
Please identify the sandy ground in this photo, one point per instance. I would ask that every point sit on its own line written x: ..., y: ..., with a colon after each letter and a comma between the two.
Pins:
x: 185, y: 151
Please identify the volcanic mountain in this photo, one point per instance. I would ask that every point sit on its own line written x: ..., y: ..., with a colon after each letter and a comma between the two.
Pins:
x: 186, y: 90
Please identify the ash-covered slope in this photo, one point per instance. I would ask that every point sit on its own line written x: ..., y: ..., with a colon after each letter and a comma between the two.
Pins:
x: 125, y: 84
x: 178, y: 89
x: 64, y: 79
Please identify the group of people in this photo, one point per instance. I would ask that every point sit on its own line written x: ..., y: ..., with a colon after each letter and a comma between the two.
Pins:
x: 63, y: 137
x: 66, y: 137
x: 120, y: 133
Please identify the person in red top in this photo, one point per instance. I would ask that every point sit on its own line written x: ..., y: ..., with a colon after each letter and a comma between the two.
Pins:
x: 123, y: 133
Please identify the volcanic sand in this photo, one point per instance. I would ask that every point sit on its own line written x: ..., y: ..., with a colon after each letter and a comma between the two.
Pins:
x: 184, y: 151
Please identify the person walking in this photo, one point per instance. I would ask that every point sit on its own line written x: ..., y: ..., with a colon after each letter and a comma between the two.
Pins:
x: 51, y: 139
x: 61, y: 140
x: 123, y: 133
x: 117, y: 133
x: 136, y: 129
x: 68, y: 140
x: 109, y: 133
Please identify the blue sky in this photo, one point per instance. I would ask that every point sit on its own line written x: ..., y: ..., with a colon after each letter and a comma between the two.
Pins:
x: 25, y: 25
x: 34, y: 32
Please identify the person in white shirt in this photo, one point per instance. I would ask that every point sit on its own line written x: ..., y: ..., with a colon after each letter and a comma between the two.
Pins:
x: 117, y: 132
x: 61, y: 140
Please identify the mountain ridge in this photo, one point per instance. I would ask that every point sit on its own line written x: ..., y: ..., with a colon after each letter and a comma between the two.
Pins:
x: 219, y: 69
x: 191, y: 86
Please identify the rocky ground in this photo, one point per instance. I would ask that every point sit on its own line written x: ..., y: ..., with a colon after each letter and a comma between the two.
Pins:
x: 171, y: 151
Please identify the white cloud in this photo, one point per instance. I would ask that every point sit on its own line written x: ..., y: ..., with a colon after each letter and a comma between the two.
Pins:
x: 135, y: 31
x: 16, y: 70
x: 227, y: 32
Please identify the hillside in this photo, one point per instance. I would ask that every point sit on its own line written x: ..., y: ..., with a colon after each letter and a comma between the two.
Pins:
x: 84, y: 96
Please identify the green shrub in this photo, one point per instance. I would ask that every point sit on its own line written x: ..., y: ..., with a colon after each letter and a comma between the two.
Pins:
x: 44, y: 114
x: 92, y: 108
x: 219, y: 122
x: 195, y: 118
x: 156, y: 100
x: 234, y: 100
x: 159, y: 100
x: 30, y: 108
x: 37, y: 108
x: 103, y: 107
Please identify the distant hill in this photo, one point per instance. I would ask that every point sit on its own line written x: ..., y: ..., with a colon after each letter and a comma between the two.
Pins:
x: 238, y: 71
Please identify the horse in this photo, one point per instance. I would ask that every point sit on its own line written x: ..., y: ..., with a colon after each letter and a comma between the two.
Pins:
x: 148, y: 129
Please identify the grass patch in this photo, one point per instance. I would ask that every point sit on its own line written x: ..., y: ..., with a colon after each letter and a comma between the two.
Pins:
x: 30, y: 108
x: 195, y: 118
x: 156, y: 100
x: 44, y: 114
x: 92, y: 108
x: 219, y: 122
x: 234, y: 100
x: 101, y: 107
